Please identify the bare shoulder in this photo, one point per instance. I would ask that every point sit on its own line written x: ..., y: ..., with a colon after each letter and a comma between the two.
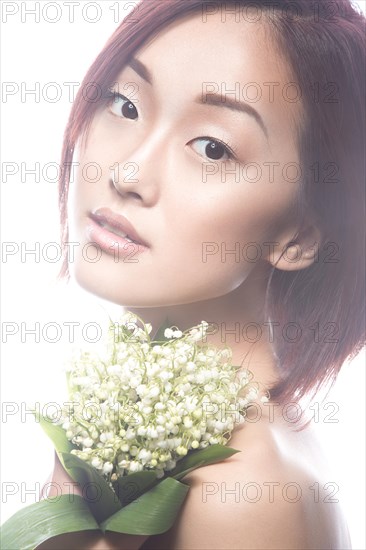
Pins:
x: 260, y: 498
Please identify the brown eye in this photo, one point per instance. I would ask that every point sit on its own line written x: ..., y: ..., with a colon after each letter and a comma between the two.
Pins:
x: 212, y: 148
x: 122, y: 106
x: 215, y: 150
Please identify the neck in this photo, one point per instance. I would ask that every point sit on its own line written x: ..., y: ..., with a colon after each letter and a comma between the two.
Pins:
x: 237, y: 321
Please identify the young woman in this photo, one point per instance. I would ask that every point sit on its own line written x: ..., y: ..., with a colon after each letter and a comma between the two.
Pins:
x: 228, y: 141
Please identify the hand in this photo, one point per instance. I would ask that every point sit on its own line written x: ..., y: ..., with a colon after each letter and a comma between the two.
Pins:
x: 62, y: 483
x: 92, y: 540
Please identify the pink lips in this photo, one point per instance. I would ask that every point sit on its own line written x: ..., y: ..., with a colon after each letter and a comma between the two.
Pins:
x: 104, y: 229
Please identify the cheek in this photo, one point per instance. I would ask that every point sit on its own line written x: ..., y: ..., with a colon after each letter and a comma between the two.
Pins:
x: 244, y: 216
x: 205, y: 254
x: 88, y: 184
x: 220, y: 239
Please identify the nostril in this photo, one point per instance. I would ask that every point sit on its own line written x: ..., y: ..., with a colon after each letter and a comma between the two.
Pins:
x: 135, y: 195
x: 123, y: 186
x: 124, y: 192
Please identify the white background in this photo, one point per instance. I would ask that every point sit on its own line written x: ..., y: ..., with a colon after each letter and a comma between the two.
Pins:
x: 32, y: 371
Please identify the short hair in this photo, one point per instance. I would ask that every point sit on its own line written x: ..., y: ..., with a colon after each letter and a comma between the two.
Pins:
x: 324, y: 44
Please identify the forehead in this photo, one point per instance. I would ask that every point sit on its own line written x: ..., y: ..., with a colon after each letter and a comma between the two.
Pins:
x: 239, y: 59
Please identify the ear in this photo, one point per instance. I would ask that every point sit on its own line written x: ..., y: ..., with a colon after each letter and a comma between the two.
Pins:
x: 292, y: 254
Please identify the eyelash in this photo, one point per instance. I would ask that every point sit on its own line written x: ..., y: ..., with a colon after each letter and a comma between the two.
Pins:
x: 229, y: 147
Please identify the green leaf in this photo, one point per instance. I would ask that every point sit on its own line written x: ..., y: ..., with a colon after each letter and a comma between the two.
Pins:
x: 44, y: 520
x: 152, y: 513
x: 130, y: 487
x: 201, y: 457
x: 102, y: 500
x: 55, y: 432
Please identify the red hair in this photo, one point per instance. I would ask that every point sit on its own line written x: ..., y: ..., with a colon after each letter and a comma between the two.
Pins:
x: 325, y: 48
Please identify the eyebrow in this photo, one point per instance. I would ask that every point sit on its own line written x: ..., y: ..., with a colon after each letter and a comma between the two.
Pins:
x: 219, y: 100
x: 140, y: 69
x: 216, y: 100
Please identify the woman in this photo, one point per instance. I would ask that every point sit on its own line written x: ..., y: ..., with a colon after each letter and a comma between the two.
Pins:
x: 220, y: 175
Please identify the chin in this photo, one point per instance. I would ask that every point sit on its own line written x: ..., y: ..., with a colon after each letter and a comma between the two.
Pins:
x: 133, y: 289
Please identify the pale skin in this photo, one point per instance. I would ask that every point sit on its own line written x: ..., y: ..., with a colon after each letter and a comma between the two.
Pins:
x: 176, y: 212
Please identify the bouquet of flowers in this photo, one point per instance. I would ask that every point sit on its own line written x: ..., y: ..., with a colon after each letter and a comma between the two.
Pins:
x: 142, y: 414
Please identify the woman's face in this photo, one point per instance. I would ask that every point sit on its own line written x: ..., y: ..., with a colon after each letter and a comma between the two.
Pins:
x: 202, y: 210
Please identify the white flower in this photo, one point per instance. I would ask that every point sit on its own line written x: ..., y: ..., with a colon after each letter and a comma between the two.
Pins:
x: 144, y: 456
x: 97, y: 463
x: 141, y: 405
x: 134, y: 450
x: 135, y: 466
x: 253, y: 393
x: 130, y: 434
x: 107, y: 468
x: 187, y: 422
x: 151, y: 432
x: 105, y: 436
x: 166, y: 375
x: 182, y: 451
x: 197, y: 413
x: 161, y: 419
x: 154, y: 391
x: 135, y: 381
x: 141, y: 389
x: 196, y: 433
x: 219, y: 426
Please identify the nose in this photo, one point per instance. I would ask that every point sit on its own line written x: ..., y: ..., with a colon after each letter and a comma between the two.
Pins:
x: 139, y: 176
x: 124, y: 180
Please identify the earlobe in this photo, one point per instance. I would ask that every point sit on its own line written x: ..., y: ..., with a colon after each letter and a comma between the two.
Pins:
x: 296, y: 257
x: 298, y: 253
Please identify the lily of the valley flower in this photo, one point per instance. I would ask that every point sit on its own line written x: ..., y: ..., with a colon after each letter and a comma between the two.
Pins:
x: 144, y: 405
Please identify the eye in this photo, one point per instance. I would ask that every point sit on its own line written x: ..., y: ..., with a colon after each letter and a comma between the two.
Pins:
x: 212, y: 148
x: 122, y: 106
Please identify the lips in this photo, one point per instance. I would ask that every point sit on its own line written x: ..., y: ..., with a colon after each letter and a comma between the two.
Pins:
x: 117, y: 224
x: 114, y: 235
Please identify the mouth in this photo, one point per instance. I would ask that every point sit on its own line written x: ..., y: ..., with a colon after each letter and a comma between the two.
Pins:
x: 117, y: 225
x: 115, y: 235
x: 116, y: 231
